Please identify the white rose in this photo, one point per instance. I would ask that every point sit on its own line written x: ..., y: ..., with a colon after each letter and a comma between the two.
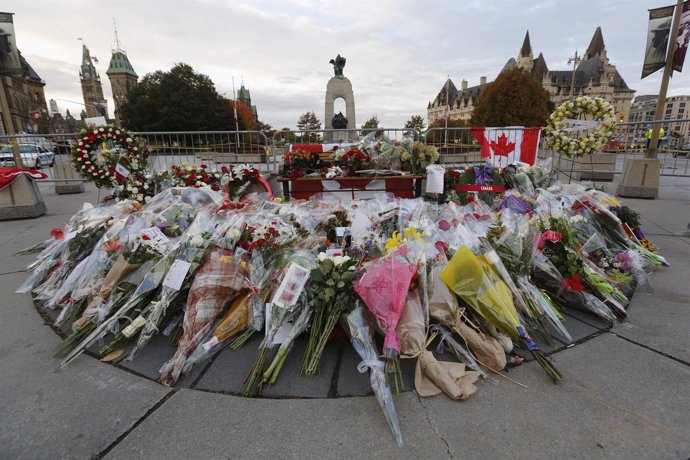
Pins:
x: 147, y: 199
x: 233, y: 234
x: 321, y: 257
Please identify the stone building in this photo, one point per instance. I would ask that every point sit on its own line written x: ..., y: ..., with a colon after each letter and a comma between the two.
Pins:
x: 122, y: 78
x: 94, y: 102
x: 593, y: 76
x: 676, y: 108
x: 245, y: 97
x: 26, y: 101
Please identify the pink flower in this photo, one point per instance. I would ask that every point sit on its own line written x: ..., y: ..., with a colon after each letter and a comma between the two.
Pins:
x: 112, y: 246
x: 444, y: 225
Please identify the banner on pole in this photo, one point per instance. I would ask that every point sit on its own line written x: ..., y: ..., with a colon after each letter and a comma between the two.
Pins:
x: 657, y: 39
x: 683, y: 38
x: 9, y: 56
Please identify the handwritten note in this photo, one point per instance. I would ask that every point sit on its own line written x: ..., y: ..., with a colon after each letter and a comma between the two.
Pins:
x: 176, y: 275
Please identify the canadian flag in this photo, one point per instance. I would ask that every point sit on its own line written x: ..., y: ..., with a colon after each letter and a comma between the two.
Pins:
x: 505, y: 146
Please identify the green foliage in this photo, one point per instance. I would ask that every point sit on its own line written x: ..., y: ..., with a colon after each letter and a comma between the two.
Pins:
x: 416, y: 122
x: 513, y: 99
x: 177, y: 100
x: 370, y: 125
x: 266, y: 129
x: 438, y: 136
x: 309, y: 121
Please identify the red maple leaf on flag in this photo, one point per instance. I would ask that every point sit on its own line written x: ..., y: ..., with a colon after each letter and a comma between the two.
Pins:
x: 502, y: 147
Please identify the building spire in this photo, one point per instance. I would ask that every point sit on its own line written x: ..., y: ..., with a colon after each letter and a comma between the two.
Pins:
x: 596, y: 46
x: 526, y: 49
x: 117, y: 39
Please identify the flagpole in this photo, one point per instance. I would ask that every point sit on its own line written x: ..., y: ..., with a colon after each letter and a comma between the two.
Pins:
x: 661, y: 101
x: 446, y: 110
x: 237, y: 126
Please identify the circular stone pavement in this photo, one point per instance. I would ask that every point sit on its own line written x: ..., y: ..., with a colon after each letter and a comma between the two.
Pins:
x: 338, y: 376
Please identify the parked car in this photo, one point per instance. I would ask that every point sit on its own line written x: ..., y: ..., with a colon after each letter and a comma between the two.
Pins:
x: 684, y: 151
x: 32, y: 155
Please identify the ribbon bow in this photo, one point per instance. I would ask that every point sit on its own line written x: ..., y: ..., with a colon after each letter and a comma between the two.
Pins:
x: 483, y: 174
x: 367, y: 364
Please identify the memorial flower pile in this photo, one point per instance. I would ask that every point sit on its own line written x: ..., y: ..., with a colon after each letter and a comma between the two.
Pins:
x: 489, y: 278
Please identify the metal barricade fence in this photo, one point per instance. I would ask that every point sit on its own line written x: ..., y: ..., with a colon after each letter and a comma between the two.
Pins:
x: 47, y: 152
x: 673, y: 150
x: 214, y: 148
x: 457, y: 146
x: 331, y: 138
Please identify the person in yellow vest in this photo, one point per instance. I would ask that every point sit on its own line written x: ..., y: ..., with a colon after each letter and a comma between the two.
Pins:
x: 648, y: 136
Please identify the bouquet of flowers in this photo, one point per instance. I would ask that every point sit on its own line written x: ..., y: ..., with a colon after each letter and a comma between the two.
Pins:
x: 218, y: 281
x: 351, y: 160
x: 514, y: 238
x: 486, y: 181
x: 330, y: 295
x: 362, y: 339
x: 383, y: 288
x: 474, y: 281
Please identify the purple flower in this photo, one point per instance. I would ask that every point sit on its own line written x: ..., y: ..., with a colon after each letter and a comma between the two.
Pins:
x: 516, y: 204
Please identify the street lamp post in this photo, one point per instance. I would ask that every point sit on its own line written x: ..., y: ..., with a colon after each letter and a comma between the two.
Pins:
x: 575, y: 60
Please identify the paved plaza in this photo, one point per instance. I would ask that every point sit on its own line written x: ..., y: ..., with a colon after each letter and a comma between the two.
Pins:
x: 624, y: 395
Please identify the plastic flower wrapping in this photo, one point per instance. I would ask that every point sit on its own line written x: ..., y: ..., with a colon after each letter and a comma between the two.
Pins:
x: 487, y: 278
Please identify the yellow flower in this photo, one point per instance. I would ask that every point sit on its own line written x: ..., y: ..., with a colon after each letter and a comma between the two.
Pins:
x: 394, y: 241
x: 412, y: 233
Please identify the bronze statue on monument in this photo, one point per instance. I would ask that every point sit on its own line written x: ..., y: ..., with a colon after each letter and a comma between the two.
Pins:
x: 339, y: 121
x: 338, y: 65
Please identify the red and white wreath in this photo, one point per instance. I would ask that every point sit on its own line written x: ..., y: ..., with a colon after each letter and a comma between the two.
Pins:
x: 107, y: 155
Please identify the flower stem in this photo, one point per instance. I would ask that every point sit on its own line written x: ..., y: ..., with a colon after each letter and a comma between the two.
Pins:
x: 238, y: 342
x: 253, y: 381
x: 312, y: 367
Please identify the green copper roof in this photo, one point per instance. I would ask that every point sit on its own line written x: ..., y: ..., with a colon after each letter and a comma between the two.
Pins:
x: 120, y: 64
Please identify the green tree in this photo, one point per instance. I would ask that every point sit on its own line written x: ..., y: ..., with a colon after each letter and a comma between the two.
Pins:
x: 178, y: 100
x: 370, y: 125
x: 267, y: 129
x: 437, y: 134
x: 416, y: 122
x: 307, y: 122
x: 513, y: 99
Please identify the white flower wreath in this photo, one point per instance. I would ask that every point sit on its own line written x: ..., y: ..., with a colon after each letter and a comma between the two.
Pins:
x: 565, y: 123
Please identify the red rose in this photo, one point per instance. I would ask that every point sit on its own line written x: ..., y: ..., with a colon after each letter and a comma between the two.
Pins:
x: 441, y: 246
x: 359, y: 156
x: 206, y: 179
x: 444, y: 225
x: 203, y: 166
x: 224, y: 170
x: 214, y: 188
x: 180, y: 174
x: 145, y: 237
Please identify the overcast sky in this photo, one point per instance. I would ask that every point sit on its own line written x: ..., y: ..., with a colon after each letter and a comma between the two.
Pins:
x: 399, y: 53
